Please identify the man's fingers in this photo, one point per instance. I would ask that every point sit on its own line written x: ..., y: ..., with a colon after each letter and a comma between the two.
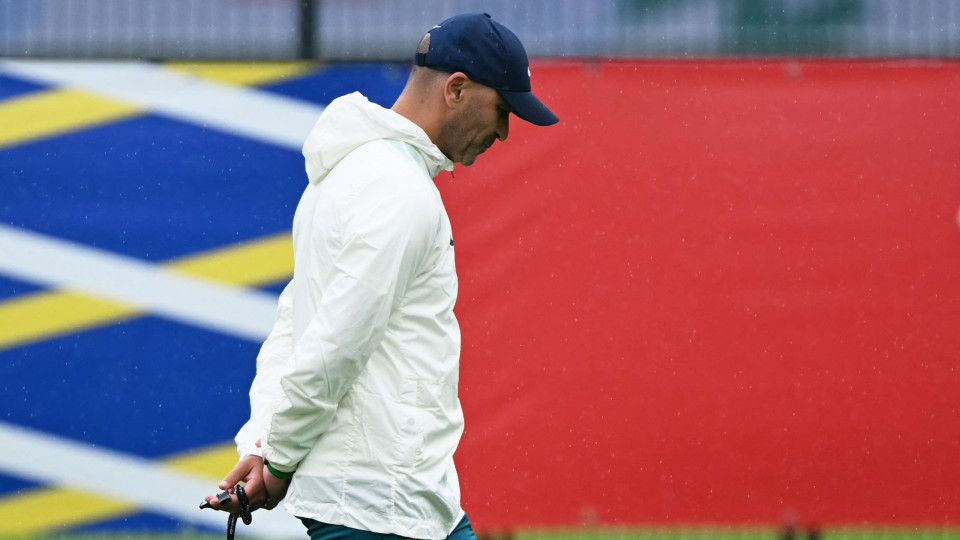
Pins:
x: 240, y: 472
x: 233, y: 506
x: 236, y: 475
x: 247, y: 470
x: 256, y: 491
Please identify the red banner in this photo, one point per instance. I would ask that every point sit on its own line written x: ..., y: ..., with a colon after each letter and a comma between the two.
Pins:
x: 716, y: 292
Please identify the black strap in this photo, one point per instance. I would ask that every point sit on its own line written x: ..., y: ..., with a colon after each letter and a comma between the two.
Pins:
x: 245, y: 513
x: 231, y: 526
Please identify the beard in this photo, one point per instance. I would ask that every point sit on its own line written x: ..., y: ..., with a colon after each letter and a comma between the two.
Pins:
x: 462, y: 142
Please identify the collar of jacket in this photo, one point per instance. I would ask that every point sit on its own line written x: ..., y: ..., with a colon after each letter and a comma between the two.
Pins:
x: 352, y: 121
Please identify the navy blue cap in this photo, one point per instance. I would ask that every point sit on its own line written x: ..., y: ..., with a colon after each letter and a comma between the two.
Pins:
x: 489, y: 53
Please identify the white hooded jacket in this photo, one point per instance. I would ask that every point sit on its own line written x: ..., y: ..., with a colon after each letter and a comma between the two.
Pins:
x: 356, y: 385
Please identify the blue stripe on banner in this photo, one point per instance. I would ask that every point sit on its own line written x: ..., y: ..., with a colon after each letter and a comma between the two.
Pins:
x: 13, y: 87
x: 151, y: 187
x: 145, y: 387
x: 275, y: 288
x: 11, y: 287
x: 142, y: 523
x: 380, y: 83
x: 10, y: 484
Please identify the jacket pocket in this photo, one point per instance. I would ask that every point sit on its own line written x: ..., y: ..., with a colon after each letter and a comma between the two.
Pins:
x: 411, y: 426
x: 447, y: 271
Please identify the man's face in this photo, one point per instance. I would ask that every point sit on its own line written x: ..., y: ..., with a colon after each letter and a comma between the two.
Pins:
x: 482, y: 119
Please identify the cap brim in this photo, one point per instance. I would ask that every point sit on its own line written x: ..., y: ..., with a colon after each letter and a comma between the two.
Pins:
x: 528, y: 107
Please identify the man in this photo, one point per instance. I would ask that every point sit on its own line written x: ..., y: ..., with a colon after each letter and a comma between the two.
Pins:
x: 354, y: 408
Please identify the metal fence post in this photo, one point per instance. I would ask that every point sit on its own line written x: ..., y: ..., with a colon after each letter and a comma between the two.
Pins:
x: 308, y: 12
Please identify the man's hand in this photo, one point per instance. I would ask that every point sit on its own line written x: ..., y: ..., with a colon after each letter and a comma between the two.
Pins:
x: 250, y: 471
x: 276, y: 487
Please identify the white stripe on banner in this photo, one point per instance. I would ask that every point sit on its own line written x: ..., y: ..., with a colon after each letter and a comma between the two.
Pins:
x: 47, y: 459
x: 247, y: 112
x: 52, y: 262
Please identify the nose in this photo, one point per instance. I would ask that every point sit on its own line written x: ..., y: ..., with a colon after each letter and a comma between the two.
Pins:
x: 503, y: 127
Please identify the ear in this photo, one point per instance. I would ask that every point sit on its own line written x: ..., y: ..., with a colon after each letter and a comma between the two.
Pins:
x: 453, y: 89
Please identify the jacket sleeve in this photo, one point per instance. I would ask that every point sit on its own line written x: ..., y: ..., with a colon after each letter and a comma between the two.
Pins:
x: 272, y: 361
x: 385, y: 233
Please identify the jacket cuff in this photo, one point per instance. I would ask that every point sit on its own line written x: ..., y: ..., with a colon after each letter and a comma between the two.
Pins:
x: 286, y: 475
x: 273, y: 465
x: 249, y: 449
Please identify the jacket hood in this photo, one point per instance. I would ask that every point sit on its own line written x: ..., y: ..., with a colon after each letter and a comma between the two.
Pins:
x: 352, y: 121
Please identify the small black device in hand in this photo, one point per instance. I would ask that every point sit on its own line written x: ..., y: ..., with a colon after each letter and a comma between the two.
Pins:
x: 223, y: 498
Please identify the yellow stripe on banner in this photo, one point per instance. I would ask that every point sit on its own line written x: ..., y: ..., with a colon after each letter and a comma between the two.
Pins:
x: 34, y: 317
x: 44, y: 510
x: 244, y: 73
x: 213, y: 462
x: 265, y: 260
x: 43, y: 114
